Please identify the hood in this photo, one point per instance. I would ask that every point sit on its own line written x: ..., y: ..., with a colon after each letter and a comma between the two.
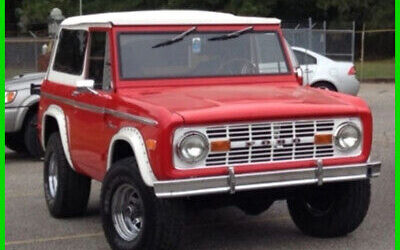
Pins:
x: 24, y: 81
x: 207, y: 104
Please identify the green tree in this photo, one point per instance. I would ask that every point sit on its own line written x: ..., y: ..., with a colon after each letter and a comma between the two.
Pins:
x: 376, y: 14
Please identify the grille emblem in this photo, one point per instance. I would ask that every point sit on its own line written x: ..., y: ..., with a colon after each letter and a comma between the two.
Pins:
x: 250, y: 143
x: 296, y: 140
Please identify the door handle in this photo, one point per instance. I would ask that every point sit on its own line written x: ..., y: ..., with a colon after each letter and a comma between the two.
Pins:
x: 79, y: 91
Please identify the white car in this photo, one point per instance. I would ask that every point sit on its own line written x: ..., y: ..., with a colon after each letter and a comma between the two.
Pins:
x: 320, y: 71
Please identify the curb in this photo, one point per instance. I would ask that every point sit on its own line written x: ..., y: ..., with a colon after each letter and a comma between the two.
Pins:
x: 388, y: 81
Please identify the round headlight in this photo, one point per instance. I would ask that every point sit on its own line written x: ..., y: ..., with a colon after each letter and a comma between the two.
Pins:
x: 193, y: 147
x: 347, y: 137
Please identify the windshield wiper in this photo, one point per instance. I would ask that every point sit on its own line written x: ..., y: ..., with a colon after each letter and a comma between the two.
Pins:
x: 231, y: 35
x: 175, y: 39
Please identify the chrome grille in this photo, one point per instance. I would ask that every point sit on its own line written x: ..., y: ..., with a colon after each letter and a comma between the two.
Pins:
x: 270, y: 142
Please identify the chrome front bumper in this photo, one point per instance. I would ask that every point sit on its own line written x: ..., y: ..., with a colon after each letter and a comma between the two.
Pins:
x: 261, y: 180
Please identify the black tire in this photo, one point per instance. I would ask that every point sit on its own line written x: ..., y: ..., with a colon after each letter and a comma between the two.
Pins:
x: 31, y: 137
x: 72, y: 191
x: 15, y: 142
x: 253, y: 202
x: 162, y: 220
x: 332, y: 210
x: 325, y: 85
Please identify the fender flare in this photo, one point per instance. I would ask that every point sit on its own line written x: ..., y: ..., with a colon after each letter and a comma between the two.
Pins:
x: 23, y: 111
x: 31, y: 100
x: 57, y: 113
x: 132, y: 136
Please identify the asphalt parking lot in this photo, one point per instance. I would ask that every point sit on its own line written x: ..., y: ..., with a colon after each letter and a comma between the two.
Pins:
x: 29, y: 226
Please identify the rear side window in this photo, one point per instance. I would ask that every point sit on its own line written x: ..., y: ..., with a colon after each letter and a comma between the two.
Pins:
x: 303, y: 58
x: 71, y: 52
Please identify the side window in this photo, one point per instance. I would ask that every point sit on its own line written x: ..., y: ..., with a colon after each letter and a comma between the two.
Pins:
x: 311, y: 60
x: 303, y: 58
x: 271, y: 58
x: 99, y: 68
x: 70, y: 53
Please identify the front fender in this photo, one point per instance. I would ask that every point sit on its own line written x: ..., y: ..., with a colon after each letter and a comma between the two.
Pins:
x: 57, y: 113
x: 132, y: 136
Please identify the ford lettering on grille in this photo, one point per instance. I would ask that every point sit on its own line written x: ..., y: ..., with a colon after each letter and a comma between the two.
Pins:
x: 270, y: 142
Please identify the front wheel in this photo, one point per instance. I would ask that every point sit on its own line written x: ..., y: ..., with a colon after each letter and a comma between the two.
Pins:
x: 31, y: 137
x: 15, y: 142
x: 133, y: 217
x: 66, y: 191
x: 331, y: 210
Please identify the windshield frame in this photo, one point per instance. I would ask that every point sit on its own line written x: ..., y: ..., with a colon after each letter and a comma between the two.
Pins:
x: 174, y: 30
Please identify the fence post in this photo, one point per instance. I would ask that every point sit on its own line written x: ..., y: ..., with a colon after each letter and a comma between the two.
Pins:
x: 353, y: 36
x: 35, y: 49
x: 309, y: 33
x: 324, y: 27
x: 362, y: 52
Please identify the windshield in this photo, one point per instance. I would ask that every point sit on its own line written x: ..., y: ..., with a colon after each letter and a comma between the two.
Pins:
x: 199, y: 54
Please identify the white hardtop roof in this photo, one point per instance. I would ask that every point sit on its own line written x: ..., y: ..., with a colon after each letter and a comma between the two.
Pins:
x: 166, y: 17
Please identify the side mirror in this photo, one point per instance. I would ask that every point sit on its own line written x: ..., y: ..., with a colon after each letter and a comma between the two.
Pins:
x: 84, y: 85
x: 299, y: 75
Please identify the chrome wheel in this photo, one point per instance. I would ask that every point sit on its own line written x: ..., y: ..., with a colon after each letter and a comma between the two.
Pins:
x: 127, y: 212
x: 53, y: 176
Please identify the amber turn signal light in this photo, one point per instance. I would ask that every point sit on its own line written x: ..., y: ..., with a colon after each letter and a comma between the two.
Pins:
x: 220, y: 146
x: 151, y: 144
x: 323, y: 139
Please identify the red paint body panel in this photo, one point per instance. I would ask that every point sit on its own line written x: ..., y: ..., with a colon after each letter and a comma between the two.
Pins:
x: 196, y: 101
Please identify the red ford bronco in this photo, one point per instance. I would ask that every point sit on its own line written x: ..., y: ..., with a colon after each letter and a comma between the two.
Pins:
x: 179, y: 110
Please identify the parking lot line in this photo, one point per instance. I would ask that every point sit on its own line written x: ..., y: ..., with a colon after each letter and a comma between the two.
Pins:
x: 80, y: 236
x: 57, y: 238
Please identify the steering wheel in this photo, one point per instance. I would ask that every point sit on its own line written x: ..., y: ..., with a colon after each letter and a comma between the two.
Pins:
x: 244, y: 66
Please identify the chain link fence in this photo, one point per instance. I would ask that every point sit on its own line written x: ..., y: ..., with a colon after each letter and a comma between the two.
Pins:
x: 373, y: 50
x: 337, y: 44
x: 375, y: 55
x: 22, y: 55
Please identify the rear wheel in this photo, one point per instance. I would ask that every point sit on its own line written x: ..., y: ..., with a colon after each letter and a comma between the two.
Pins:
x: 15, y: 142
x: 133, y: 217
x: 325, y: 85
x: 66, y: 191
x: 331, y: 210
x: 31, y: 137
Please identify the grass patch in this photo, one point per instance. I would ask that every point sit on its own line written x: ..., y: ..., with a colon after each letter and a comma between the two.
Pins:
x: 382, y: 69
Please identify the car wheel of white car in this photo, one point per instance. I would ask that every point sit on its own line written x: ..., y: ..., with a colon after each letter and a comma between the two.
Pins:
x: 66, y: 191
x: 133, y: 217
x: 325, y: 85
